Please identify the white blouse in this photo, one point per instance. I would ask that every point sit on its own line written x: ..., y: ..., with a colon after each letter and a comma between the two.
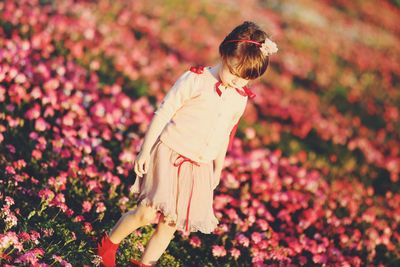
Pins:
x: 197, y: 115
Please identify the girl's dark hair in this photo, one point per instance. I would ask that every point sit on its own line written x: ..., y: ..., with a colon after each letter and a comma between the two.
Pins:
x: 251, y: 61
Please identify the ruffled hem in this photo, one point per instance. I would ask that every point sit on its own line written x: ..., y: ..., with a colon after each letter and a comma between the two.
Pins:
x: 171, y: 218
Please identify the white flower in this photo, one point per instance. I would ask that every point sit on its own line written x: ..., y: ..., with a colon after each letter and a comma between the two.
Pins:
x: 268, y: 47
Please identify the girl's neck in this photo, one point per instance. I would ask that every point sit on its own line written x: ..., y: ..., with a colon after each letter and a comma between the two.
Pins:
x: 215, y: 70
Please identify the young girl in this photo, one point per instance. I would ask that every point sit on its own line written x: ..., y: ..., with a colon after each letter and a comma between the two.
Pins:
x: 183, y: 152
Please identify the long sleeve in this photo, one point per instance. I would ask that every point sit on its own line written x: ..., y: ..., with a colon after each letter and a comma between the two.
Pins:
x: 228, y: 141
x: 219, y: 161
x: 232, y: 134
x: 180, y: 92
x: 234, y: 127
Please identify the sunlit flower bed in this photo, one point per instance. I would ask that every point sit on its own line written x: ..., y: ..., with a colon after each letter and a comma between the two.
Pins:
x: 312, y: 178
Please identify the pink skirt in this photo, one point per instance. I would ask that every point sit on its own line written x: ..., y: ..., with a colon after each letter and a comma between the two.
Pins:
x: 179, y: 188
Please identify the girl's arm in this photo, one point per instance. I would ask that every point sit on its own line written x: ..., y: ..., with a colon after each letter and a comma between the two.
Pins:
x: 174, y: 99
x: 156, y: 126
x: 219, y: 161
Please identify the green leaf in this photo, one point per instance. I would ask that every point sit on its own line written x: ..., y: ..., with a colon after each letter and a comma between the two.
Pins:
x: 31, y: 214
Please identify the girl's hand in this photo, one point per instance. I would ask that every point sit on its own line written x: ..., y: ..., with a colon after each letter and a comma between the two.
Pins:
x: 141, y: 163
x: 217, y: 175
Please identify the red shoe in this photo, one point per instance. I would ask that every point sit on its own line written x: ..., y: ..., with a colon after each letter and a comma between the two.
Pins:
x: 139, y: 264
x: 107, y: 250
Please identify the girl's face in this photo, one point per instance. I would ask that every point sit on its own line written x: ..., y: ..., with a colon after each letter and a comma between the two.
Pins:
x: 231, y: 79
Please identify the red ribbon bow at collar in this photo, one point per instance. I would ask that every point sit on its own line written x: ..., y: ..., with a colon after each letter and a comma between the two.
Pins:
x: 246, y: 91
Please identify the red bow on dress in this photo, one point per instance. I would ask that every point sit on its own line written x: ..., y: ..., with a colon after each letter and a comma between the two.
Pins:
x: 179, y: 164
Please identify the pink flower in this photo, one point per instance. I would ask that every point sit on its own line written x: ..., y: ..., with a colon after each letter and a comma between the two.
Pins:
x: 2, y: 91
x: 140, y: 246
x: 30, y: 256
x: 126, y: 156
x: 243, y: 240
x: 218, y: 251
x: 79, y: 218
x: 11, y: 148
x: 98, y: 109
x: 68, y: 120
x: 10, y: 170
x: 87, y: 206
x: 231, y: 214
x: 34, y: 135
x: 9, y: 217
x: 51, y: 84
x: 87, y: 227
x: 40, y: 125
x: 8, y: 239
x: 91, y: 185
x: 195, y: 241
x: 36, y: 154
x: 19, y: 164
x: 100, y: 207
x: 46, y: 194
x: 36, y: 93
x: 256, y: 237
x: 34, y: 112
x: 112, y: 179
x: 235, y: 253
x: 24, y: 236
x: 320, y: 258
x: 263, y: 224
x: 60, y: 198
x: 48, y: 232
x: 231, y: 181
x: 57, y: 258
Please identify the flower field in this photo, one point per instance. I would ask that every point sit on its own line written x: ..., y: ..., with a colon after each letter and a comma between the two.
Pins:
x: 313, y: 178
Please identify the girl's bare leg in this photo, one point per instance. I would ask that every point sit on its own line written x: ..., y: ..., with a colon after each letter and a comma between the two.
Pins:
x: 158, y: 242
x: 130, y: 221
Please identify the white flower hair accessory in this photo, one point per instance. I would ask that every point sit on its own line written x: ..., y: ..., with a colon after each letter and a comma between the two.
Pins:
x: 268, y: 47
